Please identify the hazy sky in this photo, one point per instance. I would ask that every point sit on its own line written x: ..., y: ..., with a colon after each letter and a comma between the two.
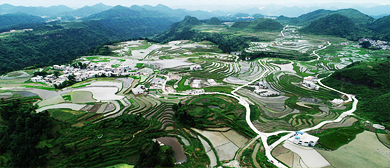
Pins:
x: 195, y: 4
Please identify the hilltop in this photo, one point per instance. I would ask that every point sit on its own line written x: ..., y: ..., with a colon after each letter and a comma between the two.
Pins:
x: 260, y: 24
x: 335, y: 24
x: 19, y: 18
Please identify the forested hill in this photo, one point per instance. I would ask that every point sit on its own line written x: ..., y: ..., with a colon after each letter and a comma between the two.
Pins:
x: 260, y: 24
x: 184, y: 31
x: 354, y: 15
x: 370, y: 82
x: 59, y: 42
x: 335, y: 24
x: 381, y: 28
x: 18, y: 18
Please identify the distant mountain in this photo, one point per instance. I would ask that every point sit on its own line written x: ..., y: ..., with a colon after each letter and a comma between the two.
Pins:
x: 241, y: 15
x: 334, y: 24
x: 39, y: 11
x: 261, y: 24
x: 18, y: 18
x: 179, y: 13
x: 115, y: 12
x: 214, y: 21
x: 357, y: 17
x: 258, y: 15
x: 87, y: 10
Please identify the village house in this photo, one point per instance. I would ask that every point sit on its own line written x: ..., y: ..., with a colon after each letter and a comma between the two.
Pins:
x: 212, y: 82
x: 309, y: 83
x: 195, y: 91
x: 304, y: 139
x: 196, y: 83
x: 195, y: 67
x: 140, y: 89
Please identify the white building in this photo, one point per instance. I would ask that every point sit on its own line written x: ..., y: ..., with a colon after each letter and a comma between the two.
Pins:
x: 195, y: 67
x: 196, y: 83
x: 212, y: 82
x: 304, y: 139
x: 140, y: 89
x: 310, y: 85
x: 37, y: 79
x: 337, y: 102
x: 195, y: 91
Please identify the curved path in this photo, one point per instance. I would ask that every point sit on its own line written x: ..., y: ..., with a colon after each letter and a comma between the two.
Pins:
x: 318, y: 56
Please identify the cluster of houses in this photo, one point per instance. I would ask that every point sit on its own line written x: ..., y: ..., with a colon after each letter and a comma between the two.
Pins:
x: 308, y: 82
x: 384, y: 45
x: 50, y: 80
x: 262, y: 89
x: 92, y: 70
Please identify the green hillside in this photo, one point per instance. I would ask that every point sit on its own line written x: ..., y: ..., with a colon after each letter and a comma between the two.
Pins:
x: 354, y: 15
x: 241, y: 24
x: 214, y: 21
x: 59, y: 42
x: 335, y: 24
x: 18, y: 18
x: 381, y: 28
x: 184, y: 31
x: 260, y: 24
x: 370, y: 82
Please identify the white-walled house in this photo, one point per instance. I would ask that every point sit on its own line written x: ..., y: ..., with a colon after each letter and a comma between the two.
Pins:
x: 140, y: 89
x: 304, y: 139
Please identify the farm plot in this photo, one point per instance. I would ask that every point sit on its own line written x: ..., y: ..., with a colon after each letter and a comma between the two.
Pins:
x: 63, y: 105
x: 225, y: 148
x: 345, y: 123
x: 54, y: 100
x: 80, y: 97
x: 284, y: 155
x: 310, y: 156
x: 364, y: 151
x: 102, y: 93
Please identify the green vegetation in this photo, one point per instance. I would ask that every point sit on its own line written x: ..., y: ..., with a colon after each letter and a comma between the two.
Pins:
x: 100, y: 50
x: 274, y: 138
x: 212, y: 111
x: 19, y: 18
x: 164, y: 157
x: 222, y: 89
x: 333, y: 138
x: 165, y: 57
x: 184, y: 31
x: 214, y: 21
x: 255, y: 112
x: 59, y: 42
x: 181, y: 86
x: 22, y: 132
x: 139, y: 65
x: 369, y: 81
x: 335, y: 24
x: 280, y: 62
x: 171, y: 82
x: 260, y: 24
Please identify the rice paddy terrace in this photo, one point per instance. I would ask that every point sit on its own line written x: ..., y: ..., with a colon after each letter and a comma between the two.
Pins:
x: 210, y: 116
